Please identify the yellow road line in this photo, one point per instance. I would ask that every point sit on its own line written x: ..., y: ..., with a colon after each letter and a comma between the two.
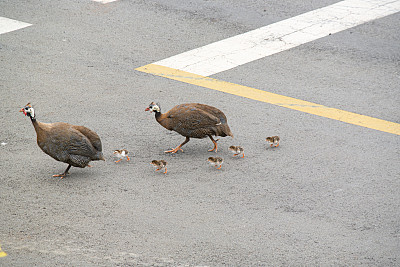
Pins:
x: 271, y: 98
x: 2, y: 253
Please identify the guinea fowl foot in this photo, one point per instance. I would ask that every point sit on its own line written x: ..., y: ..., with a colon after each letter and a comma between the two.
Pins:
x: 62, y: 175
x: 173, y: 151
x: 215, y: 148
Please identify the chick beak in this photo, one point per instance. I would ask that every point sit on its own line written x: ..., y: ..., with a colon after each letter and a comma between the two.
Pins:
x: 148, y: 109
x: 22, y: 110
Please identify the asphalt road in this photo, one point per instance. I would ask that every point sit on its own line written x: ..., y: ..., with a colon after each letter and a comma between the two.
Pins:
x: 328, y: 196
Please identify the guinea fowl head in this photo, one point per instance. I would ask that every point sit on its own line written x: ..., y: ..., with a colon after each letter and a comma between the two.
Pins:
x: 28, y: 111
x: 153, y: 107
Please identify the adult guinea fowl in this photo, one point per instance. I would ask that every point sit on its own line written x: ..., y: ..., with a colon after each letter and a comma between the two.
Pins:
x: 74, y: 145
x: 193, y: 121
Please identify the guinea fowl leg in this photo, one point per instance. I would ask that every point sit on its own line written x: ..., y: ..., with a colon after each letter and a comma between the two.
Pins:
x: 63, y: 174
x: 215, y: 144
x: 178, y: 147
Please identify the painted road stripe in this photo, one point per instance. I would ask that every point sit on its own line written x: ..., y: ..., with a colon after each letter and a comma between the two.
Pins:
x: 271, y: 98
x: 9, y: 25
x: 2, y: 253
x: 104, y: 1
x: 232, y: 52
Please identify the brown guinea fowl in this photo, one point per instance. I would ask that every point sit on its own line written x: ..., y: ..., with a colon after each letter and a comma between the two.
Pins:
x: 193, y: 121
x: 74, y: 145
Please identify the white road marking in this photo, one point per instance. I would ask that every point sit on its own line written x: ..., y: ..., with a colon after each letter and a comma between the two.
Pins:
x: 232, y: 52
x: 9, y: 25
x: 104, y: 1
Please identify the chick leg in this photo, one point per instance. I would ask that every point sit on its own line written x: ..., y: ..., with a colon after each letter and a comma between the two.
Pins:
x: 118, y: 160
x: 63, y: 174
x: 219, y: 167
x: 242, y: 155
x: 127, y: 158
x: 165, y: 170
x: 215, y: 144
x: 172, y: 151
x: 277, y: 144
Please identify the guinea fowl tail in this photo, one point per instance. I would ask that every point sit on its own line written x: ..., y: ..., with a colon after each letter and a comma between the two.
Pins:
x: 227, y: 131
x: 100, y: 156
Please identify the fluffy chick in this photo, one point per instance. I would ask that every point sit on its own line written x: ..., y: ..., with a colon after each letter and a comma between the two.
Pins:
x: 121, y: 153
x: 216, y: 161
x: 274, y: 140
x: 159, y: 164
x: 237, y: 150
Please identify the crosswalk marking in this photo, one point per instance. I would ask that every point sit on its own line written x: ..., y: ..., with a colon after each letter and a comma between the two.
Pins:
x: 232, y: 52
x: 104, y: 1
x: 8, y: 25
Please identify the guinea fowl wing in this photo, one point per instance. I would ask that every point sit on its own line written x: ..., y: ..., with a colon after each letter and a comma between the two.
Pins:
x: 188, y: 120
x: 61, y: 140
x: 79, y: 144
x: 93, y: 138
x: 212, y: 110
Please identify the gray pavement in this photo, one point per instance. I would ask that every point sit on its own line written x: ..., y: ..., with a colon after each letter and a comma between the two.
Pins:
x: 328, y: 196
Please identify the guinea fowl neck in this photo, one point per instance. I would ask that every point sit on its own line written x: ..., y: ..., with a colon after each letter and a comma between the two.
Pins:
x: 157, y: 115
x: 33, y: 119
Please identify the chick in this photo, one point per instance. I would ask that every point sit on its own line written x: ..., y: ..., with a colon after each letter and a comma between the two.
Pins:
x: 237, y: 150
x: 274, y: 140
x: 159, y: 164
x: 121, y: 153
x: 216, y: 161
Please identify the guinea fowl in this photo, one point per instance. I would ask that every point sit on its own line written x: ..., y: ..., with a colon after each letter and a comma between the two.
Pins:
x: 237, y: 150
x: 193, y: 121
x: 121, y: 153
x: 74, y: 145
x: 216, y: 161
x: 159, y: 164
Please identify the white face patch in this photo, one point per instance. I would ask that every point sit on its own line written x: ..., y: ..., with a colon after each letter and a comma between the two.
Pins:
x: 31, y: 111
x: 156, y: 108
